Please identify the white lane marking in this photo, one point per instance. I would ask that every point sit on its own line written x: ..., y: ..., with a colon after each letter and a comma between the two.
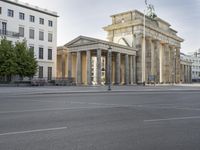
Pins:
x: 173, y: 107
x: 32, y: 131
x: 101, y: 105
x: 54, y: 109
x: 171, y: 119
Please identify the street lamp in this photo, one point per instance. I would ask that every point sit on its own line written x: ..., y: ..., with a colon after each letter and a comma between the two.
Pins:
x: 109, y: 67
x: 144, y: 46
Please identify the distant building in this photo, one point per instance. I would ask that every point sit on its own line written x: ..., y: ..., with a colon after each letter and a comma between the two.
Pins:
x: 186, y: 69
x: 37, y: 26
x: 195, y: 59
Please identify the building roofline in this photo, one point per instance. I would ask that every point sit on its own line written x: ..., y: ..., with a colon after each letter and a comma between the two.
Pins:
x: 31, y: 7
x: 61, y: 47
x: 137, y: 11
x: 98, y: 41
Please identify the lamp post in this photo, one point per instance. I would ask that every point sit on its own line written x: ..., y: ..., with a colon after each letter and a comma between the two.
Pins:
x: 144, y: 47
x: 109, y: 67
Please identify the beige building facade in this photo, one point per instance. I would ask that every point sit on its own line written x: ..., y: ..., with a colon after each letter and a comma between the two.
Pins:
x: 158, y: 52
x: 86, y: 60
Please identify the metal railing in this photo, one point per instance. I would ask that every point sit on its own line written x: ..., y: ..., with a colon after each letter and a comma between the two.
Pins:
x: 9, y: 33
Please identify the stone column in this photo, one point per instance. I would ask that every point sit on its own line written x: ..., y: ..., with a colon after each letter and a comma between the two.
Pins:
x: 188, y: 74
x: 183, y: 73
x: 126, y: 69
x: 134, y: 69
x: 148, y: 58
x: 161, y: 63
x: 166, y: 63
x: 78, y: 69
x: 191, y: 73
x: 177, y: 65
x: 152, y: 58
x: 131, y: 70
x: 88, y: 67
x: 117, y: 68
x: 138, y: 45
x: 63, y: 66
x: 107, y: 68
x: 144, y: 60
x: 186, y: 71
x: 157, y: 60
x: 173, y: 65
x: 99, y: 66
x: 171, y: 60
x: 69, y: 64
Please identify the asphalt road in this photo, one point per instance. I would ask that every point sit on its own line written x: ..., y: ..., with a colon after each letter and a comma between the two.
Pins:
x: 145, y: 120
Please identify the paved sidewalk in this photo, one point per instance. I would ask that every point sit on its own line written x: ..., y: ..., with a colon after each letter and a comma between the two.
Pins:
x: 92, y: 89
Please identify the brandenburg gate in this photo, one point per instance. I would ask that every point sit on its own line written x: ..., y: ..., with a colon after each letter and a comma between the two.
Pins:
x: 159, y: 56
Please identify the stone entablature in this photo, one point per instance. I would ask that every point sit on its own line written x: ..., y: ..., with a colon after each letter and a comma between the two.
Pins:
x: 132, y: 23
x: 83, y: 43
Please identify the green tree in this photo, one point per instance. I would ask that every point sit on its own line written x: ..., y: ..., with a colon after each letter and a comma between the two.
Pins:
x: 8, y: 64
x: 33, y: 65
x: 26, y: 62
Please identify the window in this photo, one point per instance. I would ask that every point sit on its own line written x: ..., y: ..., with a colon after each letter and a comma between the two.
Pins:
x: 10, y: 13
x: 31, y: 48
x: 41, y: 51
x: 41, y: 35
x: 4, y: 28
x: 50, y: 37
x: 21, y: 16
x: 32, y: 18
x: 49, y: 54
x: 50, y: 23
x: 49, y: 73
x: 31, y: 34
x: 0, y: 10
x: 21, y: 31
x: 41, y: 21
x: 40, y: 72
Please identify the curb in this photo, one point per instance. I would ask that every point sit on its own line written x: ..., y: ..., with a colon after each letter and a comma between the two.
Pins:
x: 114, y: 91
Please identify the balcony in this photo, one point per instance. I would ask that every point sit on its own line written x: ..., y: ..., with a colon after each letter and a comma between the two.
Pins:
x: 9, y: 34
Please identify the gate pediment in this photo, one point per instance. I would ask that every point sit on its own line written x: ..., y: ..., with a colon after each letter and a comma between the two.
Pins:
x: 79, y: 41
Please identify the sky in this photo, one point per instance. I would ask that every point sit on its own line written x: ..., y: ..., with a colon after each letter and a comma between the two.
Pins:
x: 87, y: 17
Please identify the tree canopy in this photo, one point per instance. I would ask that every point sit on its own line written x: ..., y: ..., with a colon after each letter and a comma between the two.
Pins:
x: 16, y: 59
